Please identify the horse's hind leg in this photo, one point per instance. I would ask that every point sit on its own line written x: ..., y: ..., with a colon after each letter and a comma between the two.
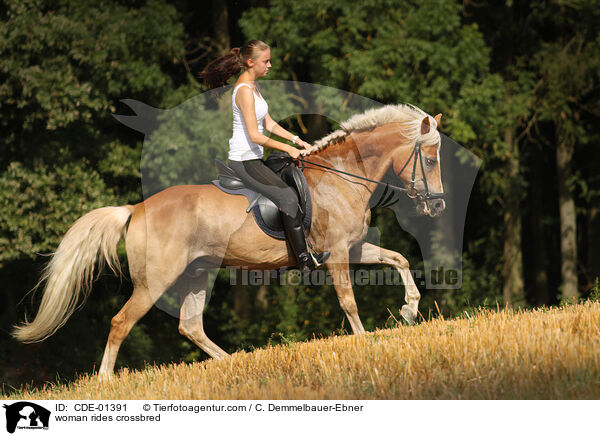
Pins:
x: 190, y: 322
x: 136, y: 307
x: 154, y: 265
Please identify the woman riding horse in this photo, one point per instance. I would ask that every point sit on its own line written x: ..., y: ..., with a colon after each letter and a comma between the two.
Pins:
x: 168, y: 232
x: 250, y: 118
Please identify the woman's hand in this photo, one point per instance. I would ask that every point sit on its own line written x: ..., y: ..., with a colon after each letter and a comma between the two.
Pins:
x: 303, y: 144
x: 294, y: 152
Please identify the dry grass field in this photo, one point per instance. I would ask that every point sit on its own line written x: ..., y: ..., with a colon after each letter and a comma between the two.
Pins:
x: 540, y: 354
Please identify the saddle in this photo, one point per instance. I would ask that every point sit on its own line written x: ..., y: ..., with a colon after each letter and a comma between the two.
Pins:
x: 266, y: 213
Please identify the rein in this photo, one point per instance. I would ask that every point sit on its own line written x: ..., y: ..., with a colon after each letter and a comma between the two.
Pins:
x: 414, y: 155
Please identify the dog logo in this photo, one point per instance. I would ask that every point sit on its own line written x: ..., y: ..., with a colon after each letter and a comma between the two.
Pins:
x: 26, y: 415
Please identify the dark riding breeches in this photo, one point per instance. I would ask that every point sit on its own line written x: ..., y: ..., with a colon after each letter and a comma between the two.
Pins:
x: 258, y: 176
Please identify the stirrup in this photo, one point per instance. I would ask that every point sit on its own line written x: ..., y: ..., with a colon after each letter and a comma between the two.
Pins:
x: 322, y: 257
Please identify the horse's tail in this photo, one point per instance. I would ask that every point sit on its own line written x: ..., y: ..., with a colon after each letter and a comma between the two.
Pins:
x: 70, y: 272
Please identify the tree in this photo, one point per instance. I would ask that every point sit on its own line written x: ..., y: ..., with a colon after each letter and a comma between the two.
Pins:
x: 567, y: 94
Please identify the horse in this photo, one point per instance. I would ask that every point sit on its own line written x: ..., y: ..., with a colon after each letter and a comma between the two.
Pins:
x: 186, y: 225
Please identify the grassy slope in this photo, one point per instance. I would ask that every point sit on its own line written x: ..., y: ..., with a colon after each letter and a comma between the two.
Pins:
x: 541, y: 354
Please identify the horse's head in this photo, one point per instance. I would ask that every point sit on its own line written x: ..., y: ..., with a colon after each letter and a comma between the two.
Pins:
x: 417, y: 164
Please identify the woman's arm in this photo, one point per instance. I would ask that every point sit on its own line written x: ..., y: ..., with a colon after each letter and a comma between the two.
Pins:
x: 245, y: 101
x: 276, y: 129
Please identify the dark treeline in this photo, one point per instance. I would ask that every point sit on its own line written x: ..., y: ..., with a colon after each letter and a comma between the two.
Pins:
x: 517, y: 81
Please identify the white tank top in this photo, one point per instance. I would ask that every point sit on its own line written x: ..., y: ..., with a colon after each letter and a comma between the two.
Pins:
x: 240, y: 146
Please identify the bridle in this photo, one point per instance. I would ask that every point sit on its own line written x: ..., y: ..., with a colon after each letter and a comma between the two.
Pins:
x: 388, y: 193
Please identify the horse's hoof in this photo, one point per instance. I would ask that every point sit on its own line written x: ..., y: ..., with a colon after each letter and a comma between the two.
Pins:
x: 407, y: 315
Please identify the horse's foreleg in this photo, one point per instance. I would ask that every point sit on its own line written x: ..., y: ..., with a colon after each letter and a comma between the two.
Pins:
x: 190, y: 321
x: 366, y: 253
x: 136, y: 307
x: 337, y: 265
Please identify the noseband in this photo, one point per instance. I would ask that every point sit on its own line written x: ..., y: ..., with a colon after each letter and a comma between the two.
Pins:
x: 414, y: 155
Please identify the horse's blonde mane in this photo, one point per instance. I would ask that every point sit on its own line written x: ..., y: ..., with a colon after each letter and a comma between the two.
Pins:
x: 410, y: 119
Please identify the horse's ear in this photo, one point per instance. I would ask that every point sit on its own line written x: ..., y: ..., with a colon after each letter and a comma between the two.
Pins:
x: 438, y: 120
x: 425, y: 126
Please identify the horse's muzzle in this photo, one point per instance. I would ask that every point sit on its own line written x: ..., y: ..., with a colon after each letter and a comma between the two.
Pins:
x: 436, y: 207
x: 432, y: 208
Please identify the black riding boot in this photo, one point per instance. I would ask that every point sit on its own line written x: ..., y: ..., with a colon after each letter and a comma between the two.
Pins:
x: 294, y: 230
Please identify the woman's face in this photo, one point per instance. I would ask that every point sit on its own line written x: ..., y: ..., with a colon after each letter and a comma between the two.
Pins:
x: 262, y: 63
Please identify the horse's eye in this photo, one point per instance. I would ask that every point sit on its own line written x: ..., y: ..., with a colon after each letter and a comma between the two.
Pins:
x: 429, y: 162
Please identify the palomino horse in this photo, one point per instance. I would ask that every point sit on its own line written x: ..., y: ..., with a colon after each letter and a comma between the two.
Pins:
x: 176, y: 227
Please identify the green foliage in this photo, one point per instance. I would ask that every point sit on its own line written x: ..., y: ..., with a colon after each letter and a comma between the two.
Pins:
x: 595, y: 292
x: 393, y: 51
x: 64, y: 64
x: 570, y: 71
x: 39, y: 204
x: 186, y: 142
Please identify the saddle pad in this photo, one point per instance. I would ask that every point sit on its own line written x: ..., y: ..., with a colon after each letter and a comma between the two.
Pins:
x: 250, y: 195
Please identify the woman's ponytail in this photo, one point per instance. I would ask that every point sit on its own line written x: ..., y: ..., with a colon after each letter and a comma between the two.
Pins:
x: 221, y: 69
